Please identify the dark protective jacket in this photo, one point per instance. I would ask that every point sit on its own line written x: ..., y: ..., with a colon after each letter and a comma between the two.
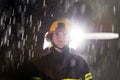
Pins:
x: 62, y: 66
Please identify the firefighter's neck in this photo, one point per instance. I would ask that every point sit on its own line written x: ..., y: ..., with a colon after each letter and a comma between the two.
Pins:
x: 57, y: 49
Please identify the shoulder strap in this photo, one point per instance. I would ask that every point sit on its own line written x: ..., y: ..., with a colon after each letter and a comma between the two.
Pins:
x: 66, y: 63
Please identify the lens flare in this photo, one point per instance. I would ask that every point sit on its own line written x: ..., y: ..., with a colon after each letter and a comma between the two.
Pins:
x: 76, y: 37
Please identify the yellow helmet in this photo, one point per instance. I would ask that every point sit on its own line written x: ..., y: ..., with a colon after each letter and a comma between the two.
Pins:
x: 57, y: 24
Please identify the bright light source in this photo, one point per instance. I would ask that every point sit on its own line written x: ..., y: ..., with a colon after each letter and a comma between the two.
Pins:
x: 77, y: 35
x: 102, y: 36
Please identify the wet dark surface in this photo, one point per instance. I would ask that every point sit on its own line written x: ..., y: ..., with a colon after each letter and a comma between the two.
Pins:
x: 23, y: 24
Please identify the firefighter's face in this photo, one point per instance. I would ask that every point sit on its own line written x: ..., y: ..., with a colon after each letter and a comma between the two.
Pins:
x: 60, y: 38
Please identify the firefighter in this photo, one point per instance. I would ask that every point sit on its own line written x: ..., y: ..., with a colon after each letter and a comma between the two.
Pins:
x: 59, y: 62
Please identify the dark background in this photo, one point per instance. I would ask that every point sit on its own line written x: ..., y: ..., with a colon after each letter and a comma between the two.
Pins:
x: 23, y: 24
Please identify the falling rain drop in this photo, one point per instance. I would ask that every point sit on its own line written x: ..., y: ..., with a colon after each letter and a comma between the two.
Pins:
x: 61, y: 1
x: 83, y: 8
x: 25, y: 8
x: 21, y: 32
x: 114, y: 9
x: 18, y: 45
x: 22, y: 18
x: 10, y: 21
x: 1, y: 21
x: 44, y: 3
x: 23, y: 42
x: 31, y: 47
x: 32, y: 54
x: 8, y: 42
x: 28, y: 1
x: 11, y: 58
x: 9, y: 30
x: 45, y: 13
x: 76, y: 0
x: 20, y: 9
x: 39, y: 25
x: 113, y: 28
x: 1, y: 43
x: 67, y: 6
x: 18, y: 65
x: 36, y: 39
x: 5, y: 39
x: 30, y: 20
x: 52, y: 15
